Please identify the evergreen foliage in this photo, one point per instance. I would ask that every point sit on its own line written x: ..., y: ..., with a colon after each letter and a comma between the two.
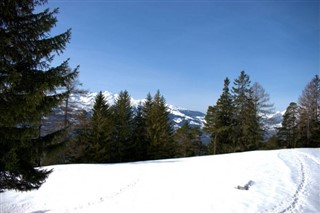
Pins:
x: 100, y: 132
x: 288, y: 132
x: 236, y: 122
x: 159, y: 129
x: 28, y: 89
x: 246, y: 129
x: 139, y: 137
x: 123, y: 128
x: 219, y: 122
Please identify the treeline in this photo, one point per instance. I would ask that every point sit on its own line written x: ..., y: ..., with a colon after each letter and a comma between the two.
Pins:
x: 301, y: 121
x: 238, y: 120
x: 121, y: 133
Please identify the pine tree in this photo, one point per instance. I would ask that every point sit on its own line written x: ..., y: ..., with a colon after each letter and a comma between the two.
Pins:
x: 219, y: 122
x: 140, y: 142
x: 288, y: 131
x: 247, y: 134
x: 160, y: 130
x: 28, y: 89
x: 100, y: 133
x: 210, y: 127
x: 123, y: 127
x: 309, y: 114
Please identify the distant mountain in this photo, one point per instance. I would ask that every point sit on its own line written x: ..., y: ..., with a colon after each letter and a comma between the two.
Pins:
x: 273, y: 122
x: 178, y: 115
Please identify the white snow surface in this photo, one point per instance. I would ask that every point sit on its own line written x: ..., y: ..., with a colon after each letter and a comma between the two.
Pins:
x: 279, y: 181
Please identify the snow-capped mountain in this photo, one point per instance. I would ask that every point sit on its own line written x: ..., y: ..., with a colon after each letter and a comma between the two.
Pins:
x: 178, y: 115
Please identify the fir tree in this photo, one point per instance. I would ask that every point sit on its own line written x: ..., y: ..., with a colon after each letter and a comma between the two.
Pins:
x: 100, y: 133
x: 123, y: 126
x: 139, y: 137
x: 288, y: 131
x: 160, y: 130
x: 28, y: 89
x: 219, y: 122
x: 247, y: 133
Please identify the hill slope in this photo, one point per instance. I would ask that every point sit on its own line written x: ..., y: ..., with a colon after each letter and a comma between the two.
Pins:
x: 278, y: 181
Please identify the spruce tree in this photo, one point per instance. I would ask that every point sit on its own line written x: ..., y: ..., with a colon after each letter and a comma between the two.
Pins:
x: 139, y: 137
x: 219, y: 122
x: 247, y: 133
x: 160, y: 130
x: 100, y: 132
x: 28, y: 88
x: 123, y: 127
x: 210, y: 127
x: 288, y: 131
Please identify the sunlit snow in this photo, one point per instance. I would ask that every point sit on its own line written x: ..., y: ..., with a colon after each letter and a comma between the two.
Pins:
x: 279, y: 181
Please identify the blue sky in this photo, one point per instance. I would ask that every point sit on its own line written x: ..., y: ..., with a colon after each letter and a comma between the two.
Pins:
x: 187, y: 48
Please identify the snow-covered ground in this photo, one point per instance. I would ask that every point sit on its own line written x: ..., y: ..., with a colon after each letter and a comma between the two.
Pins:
x: 279, y: 181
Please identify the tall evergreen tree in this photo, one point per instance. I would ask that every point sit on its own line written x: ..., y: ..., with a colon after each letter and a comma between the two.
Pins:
x: 139, y: 137
x: 219, y: 122
x: 160, y: 130
x: 210, y: 127
x: 288, y: 131
x: 309, y: 114
x: 247, y: 134
x: 100, y: 133
x: 28, y: 88
x: 123, y: 127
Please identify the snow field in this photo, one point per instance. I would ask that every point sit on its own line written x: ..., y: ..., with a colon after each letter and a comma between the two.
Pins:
x: 280, y: 181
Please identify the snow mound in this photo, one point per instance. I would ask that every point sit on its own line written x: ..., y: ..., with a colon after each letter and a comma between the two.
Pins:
x: 278, y: 181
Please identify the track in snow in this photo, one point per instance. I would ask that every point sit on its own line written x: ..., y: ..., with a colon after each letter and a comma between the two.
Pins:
x: 297, y: 165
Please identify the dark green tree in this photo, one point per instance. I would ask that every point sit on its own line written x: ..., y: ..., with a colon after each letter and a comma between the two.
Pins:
x: 28, y: 89
x: 139, y: 137
x: 288, y: 131
x: 99, y: 135
x: 247, y: 133
x: 210, y: 127
x: 219, y: 122
x: 160, y: 130
x: 123, y: 128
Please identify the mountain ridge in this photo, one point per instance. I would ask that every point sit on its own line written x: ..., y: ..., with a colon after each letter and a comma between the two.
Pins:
x: 178, y: 115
